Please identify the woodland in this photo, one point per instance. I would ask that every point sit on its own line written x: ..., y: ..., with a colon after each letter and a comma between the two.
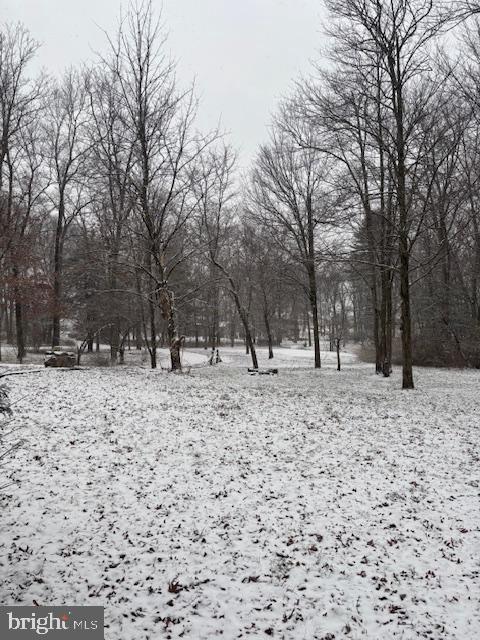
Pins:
x: 122, y: 224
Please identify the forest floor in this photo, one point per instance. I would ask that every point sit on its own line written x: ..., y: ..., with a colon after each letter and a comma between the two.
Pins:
x: 308, y: 505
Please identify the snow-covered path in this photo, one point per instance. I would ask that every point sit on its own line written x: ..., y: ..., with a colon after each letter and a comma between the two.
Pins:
x: 309, y: 505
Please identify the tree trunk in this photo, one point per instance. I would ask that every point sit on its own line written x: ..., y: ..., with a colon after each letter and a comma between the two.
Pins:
x: 312, y: 284
x: 166, y: 303
x: 269, y: 334
x: 232, y: 329
x: 244, y: 318
x: 386, y: 324
x: 406, y: 326
x: 138, y: 336
x: 404, y: 249
x: 57, y: 274
x: 175, y: 347
x: 114, y: 343
x: 249, y: 340
x: 376, y: 332
x: 153, y: 335
x: 215, y: 329
x: 9, y: 319
x: 21, y: 352
x: 307, y: 313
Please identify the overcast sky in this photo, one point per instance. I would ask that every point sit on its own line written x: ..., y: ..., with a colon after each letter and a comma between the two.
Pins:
x: 244, y: 54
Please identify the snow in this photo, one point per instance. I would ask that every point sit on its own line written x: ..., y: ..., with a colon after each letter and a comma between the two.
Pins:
x: 312, y: 504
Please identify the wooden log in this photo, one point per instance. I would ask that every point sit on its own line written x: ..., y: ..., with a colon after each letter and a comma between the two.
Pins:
x: 262, y: 372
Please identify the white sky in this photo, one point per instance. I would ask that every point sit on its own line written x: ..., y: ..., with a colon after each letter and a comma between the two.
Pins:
x: 244, y: 54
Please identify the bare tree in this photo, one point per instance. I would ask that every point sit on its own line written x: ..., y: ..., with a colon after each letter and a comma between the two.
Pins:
x: 340, y: 113
x: 68, y: 150
x: 112, y: 161
x: 160, y: 118
x: 219, y: 227
x: 393, y: 38
x: 19, y: 105
x: 288, y: 198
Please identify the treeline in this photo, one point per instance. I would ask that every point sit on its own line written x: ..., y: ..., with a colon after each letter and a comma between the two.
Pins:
x: 122, y: 223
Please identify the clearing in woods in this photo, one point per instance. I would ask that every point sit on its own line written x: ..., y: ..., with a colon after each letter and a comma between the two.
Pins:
x: 312, y: 504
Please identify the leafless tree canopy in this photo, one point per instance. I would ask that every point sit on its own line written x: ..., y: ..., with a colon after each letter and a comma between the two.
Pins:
x: 123, y: 224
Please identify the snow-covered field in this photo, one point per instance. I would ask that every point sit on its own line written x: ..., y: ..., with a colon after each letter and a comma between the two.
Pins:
x: 314, y: 504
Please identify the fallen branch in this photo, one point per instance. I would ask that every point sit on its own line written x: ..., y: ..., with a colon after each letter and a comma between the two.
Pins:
x: 19, y: 373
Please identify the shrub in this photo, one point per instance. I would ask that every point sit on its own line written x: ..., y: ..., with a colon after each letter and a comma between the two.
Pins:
x: 8, y: 445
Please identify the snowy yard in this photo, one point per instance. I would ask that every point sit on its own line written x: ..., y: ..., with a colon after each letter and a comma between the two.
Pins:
x: 310, y: 505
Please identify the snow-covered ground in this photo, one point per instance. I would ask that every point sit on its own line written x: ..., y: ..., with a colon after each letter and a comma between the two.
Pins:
x: 313, y: 504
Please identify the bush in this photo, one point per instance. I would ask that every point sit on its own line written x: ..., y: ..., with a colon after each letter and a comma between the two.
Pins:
x: 8, y: 445
x: 4, y: 401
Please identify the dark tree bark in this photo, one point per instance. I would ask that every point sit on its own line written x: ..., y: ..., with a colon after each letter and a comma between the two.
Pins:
x: 404, y: 220
x: 166, y: 303
x: 312, y: 282
x: 314, y: 308
x: 269, y: 334
x: 248, y: 335
x: 57, y: 277
x: 21, y: 351
x: 153, y: 335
